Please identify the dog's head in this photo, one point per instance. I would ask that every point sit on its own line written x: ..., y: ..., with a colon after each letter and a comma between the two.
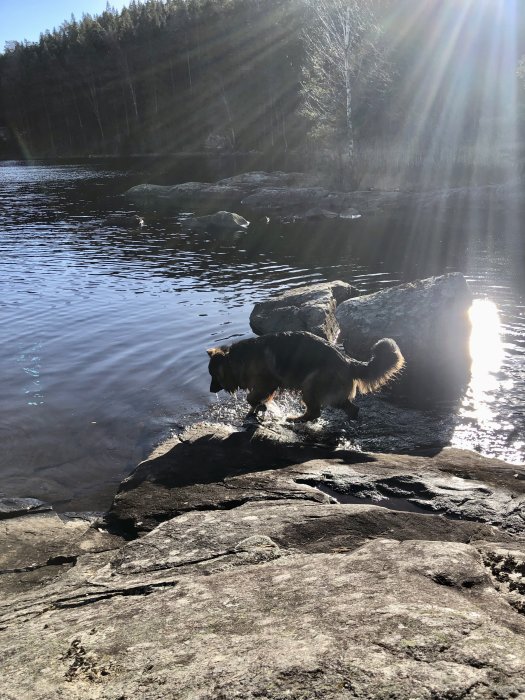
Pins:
x: 220, y: 370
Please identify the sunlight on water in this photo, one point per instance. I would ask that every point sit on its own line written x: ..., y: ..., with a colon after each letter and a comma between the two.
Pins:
x: 483, y: 424
x: 486, y: 351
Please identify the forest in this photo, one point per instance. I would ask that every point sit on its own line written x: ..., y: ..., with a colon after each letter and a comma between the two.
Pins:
x: 273, y: 76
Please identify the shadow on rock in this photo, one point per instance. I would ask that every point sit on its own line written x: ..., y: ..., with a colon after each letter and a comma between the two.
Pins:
x: 193, y: 473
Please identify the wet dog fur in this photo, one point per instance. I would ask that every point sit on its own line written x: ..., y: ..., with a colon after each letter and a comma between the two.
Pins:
x: 299, y: 360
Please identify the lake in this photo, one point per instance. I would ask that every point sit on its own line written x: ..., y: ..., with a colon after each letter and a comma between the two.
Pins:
x: 105, y: 326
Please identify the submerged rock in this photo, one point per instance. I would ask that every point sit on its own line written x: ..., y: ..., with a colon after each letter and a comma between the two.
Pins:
x: 222, y: 221
x: 309, y: 308
x: 429, y: 321
x: 125, y: 220
x: 314, y: 214
x: 13, y: 507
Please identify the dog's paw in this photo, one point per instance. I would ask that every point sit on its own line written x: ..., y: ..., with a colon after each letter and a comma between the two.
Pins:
x: 252, y: 419
x: 297, y: 419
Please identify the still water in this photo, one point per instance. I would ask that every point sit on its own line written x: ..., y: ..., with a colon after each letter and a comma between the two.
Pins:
x: 104, y: 326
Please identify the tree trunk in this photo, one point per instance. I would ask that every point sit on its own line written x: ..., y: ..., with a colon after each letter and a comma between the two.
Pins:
x: 348, y: 159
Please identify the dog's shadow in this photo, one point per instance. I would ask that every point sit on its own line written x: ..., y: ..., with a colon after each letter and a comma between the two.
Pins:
x: 208, y: 453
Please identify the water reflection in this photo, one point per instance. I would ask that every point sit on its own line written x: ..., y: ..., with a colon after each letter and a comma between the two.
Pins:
x: 483, y: 421
x: 486, y: 351
x: 30, y: 361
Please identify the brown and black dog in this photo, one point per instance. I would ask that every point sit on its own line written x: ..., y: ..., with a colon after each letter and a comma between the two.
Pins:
x: 301, y: 361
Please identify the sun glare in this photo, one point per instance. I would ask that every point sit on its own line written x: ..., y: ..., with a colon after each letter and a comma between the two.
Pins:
x: 486, y: 351
x: 486, y: 348
x: 483, y: 424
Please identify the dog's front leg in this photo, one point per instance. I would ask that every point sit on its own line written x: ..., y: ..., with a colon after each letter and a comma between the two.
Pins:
x: 260, y: 408
x: 258, y: 399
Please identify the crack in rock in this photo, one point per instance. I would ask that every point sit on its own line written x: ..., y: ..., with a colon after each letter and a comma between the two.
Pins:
x: 59, y: 560
x: 88, y: 598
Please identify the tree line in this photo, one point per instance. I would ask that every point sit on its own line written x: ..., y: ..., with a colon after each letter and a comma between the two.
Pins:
x: 237, y: 75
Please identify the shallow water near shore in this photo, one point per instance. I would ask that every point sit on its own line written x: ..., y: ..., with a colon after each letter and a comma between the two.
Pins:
x: 105, y: 323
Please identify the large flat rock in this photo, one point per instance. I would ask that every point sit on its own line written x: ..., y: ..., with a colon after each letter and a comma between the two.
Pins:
x: 273, y: 568
x: 215, y: 467
x: 273, y: 601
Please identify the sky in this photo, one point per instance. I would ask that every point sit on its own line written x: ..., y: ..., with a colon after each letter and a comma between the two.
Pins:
x: 27, y: 19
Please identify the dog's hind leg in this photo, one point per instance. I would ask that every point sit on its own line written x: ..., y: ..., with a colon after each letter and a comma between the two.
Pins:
x: 349, y: 408
x: 311, y: 413
x: 312, y: 403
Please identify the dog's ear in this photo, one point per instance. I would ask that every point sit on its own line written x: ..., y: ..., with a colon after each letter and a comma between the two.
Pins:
x: 214, y: 351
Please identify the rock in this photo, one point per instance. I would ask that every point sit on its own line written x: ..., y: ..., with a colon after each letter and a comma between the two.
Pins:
x: 276, y: 590
x: 294, y: 200
x: 287, y: 194
x: 320, y: 214
x: 206, y: 195
x: 281, y: 527
x: 125, y: 220
x: 444, y: 483
x: 13, y: 507
x: 201, y: 195
x: 428, y: 319
x: 217, y: 142
x: 350, y: 213
x: 195, y: 473
x: 213, y: 466
x: 383, y: 426
x: 35, y: 547
x: 261, y: 178
x: 222, y: 221
x: 310, y: 308
x: 314, y: 214
x: 272, y: 600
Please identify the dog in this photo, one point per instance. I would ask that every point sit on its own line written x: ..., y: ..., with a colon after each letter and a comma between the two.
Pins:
x: 299, y: 360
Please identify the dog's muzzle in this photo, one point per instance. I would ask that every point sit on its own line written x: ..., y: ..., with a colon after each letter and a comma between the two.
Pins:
x: 215, y: 387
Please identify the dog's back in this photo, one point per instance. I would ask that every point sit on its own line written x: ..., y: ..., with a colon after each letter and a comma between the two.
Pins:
x: 289, y: 358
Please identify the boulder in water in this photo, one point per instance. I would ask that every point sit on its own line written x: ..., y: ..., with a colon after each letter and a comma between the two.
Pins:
x: 429, y: 321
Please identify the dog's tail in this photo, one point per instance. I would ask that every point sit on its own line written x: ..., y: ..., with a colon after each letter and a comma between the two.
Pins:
x: 385, y: 362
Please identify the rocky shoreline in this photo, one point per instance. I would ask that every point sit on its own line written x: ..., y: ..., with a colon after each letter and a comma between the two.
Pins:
x: 257, y: 580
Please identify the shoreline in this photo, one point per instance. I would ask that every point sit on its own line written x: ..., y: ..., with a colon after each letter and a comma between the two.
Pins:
x: 252, y: 583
